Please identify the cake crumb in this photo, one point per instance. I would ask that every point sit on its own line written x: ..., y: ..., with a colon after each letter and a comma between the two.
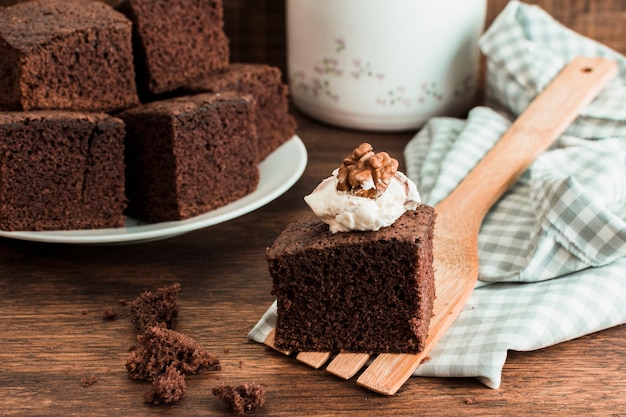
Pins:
x: 109, y: 314
x: 242, y: 398
x: 149, y: 309
x: 86, y: 382
x: 469, y: 400
x: 160, y: 348
x: 167, y: 388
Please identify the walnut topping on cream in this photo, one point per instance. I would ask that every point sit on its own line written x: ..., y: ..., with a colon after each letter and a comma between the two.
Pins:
x: 365, y: 173
x: 366, y: 193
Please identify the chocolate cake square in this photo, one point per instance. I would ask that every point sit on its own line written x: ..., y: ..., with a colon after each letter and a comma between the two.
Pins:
x: 274, y: 124
x: 60, y: 55
x: 188, y: 155
x: 61, y: 170
x: 176, y: 41
x: 354, y: 291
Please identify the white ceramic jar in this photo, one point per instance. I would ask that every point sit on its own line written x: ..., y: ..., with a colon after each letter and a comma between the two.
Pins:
x: 383, y: 64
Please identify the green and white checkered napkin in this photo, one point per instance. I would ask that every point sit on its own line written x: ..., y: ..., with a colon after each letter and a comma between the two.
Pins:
x: 552, y: 251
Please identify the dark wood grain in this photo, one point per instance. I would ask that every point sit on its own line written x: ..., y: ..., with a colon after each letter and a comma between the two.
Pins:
x: 53, y: 335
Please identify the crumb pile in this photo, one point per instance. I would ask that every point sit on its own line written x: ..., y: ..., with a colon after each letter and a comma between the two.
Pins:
x: 164, y: 356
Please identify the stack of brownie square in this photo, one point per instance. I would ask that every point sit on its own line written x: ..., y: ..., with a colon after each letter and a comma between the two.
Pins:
x: 133, y: 110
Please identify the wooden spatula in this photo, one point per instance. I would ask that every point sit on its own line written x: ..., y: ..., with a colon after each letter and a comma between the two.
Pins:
x: 460, y: 215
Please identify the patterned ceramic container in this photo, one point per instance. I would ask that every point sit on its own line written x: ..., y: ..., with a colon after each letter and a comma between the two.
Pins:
x: 383, y: 64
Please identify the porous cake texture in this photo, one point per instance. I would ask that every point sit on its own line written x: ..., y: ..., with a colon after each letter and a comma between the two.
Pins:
x: 241, y: 398
x: 151, y: 308
x: 167, y: 388
x: 354, y: 291
x: 161, y: 348
x: 61, y: 170
x: 66, y: 55
x: 176, y: 41
x: 273, y: 122
x: 188, y: 155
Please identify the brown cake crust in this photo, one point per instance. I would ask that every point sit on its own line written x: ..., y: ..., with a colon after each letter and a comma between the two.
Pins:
x: 61, y: 171
x: 189, y: 155
x: 160, y: 348
x: 176, y: 41
x: 65, y: 56
x: 354, y: 291
x: 274, y: 124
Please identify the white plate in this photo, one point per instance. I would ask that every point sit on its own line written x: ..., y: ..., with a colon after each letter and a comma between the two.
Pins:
x: 278, y: 172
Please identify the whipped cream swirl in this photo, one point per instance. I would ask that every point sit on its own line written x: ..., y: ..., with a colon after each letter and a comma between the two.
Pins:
x: 345, y: 211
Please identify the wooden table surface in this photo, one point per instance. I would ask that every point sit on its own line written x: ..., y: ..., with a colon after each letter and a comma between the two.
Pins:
x: 53, y: 335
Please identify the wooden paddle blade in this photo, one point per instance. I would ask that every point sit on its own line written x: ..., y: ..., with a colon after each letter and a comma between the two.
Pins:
x: 346, y: 365
x: 389, y: 371
x: 313, y: 359
x: 269, y: 341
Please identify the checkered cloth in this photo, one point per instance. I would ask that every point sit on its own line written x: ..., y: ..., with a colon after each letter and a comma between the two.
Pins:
x: 552, y: 250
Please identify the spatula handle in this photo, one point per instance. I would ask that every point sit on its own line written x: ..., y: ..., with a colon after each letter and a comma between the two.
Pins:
x: 461, y: 213
x: 545, y: 119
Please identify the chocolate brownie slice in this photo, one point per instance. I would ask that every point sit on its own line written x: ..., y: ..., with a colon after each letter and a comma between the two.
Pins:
x: 188, y: 155
x: 62, y: 55
x: 354, y: 291
x: 61, y: 170
x: 273, y: 122
x: 176, y: 41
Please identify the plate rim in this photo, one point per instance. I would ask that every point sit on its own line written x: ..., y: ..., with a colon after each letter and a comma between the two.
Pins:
x: 270, y: 187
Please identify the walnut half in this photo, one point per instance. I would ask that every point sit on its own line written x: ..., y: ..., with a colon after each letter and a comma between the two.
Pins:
x: 365, y: 173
